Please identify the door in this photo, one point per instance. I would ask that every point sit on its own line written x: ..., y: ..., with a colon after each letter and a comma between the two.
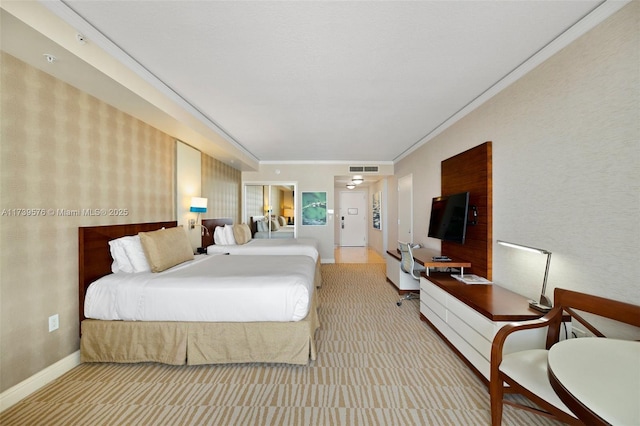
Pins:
x: 405, y: 209
x: 353, y: 218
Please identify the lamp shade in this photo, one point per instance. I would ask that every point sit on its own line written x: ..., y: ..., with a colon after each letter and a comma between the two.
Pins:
x: 198, y: 205
x: 288, y: 212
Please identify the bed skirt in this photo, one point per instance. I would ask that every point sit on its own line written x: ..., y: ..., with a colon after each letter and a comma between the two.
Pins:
x: 197, y: 343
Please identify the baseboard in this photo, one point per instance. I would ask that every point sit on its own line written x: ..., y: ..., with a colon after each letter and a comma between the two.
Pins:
x: 25, y: 388
x: 332, y: 260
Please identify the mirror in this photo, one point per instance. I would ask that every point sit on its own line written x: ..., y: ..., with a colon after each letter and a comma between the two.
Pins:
x: 269, y: 209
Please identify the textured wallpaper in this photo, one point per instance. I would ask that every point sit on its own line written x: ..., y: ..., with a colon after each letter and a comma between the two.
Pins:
x: 221, y: 184
x: 67, y: 160
x: 566, y: 169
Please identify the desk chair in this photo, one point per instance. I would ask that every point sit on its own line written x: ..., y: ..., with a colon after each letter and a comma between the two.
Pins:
x: 409, y: 265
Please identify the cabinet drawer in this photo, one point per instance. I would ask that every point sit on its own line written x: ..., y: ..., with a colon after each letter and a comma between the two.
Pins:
x: 478, y: 322
x: 434, y: 306
x: 432, y: 290
x: 471, y: 336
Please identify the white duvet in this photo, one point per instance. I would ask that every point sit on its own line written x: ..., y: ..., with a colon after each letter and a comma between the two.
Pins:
x: 213, y: 288
x: 288, y: 246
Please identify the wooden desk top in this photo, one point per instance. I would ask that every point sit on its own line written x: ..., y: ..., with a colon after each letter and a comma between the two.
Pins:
x: 424, y: 257
x: 491, y: 300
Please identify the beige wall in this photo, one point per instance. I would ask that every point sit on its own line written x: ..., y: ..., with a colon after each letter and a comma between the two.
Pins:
x: 188, y: 185
x: 63, y: 149
x: 566, y: 166
x: 221, y: 185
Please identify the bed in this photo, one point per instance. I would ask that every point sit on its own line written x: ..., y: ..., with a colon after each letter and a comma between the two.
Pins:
x: 288, y: 246
x: 213, y: 336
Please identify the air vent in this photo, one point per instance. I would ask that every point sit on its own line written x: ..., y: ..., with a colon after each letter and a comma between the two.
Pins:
x: 363, y: 169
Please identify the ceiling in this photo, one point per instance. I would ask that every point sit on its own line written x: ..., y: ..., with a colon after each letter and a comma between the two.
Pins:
x: 302, y: 81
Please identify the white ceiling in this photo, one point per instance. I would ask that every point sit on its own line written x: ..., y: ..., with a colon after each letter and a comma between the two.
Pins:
x: 333, y: 81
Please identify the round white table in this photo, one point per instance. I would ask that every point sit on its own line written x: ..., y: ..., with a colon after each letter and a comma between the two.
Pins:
x: 598, y: 378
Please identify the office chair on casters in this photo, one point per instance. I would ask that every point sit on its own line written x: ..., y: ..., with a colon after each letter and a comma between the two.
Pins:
x: 409, y: 266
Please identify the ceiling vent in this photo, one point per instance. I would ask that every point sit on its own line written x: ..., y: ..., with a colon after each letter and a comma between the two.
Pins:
x: 363, y: 169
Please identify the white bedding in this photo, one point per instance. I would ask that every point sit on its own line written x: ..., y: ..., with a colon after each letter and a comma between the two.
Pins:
x: 210, y: 288
x: 280, y: 233
x: 291, y: 246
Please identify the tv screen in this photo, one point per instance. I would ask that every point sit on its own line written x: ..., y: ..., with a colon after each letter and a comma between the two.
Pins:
x: 448, y: 220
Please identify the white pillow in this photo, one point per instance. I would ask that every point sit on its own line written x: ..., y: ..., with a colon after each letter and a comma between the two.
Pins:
x: 263, y: 226
x: 120, y: 260
x: 217, y: 235
x: 135, y: 253
x: 228, y: 237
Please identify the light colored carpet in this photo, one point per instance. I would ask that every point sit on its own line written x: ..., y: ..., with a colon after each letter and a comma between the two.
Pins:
x: 378, y: 364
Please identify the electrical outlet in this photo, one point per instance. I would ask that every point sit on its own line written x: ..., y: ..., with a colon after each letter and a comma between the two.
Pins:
x: 578, y: 332
x: 54, y: 322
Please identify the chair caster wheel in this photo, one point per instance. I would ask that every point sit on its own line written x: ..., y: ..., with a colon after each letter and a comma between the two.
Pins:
x: 399, y: 303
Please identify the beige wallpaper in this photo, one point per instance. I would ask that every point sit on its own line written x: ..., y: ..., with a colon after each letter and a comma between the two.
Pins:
x: 63, y: 153
x: 566, y: 173
x: 221, y: 185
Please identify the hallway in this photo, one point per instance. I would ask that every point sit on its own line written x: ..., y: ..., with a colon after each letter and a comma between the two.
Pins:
x: 357, y: 255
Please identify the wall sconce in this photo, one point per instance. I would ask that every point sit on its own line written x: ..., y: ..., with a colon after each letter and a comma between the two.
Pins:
x: 544, y: 305
x: 351, y: 185
x: 198, y: 205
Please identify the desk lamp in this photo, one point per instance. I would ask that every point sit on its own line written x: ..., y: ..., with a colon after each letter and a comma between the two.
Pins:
x: 544, y: 305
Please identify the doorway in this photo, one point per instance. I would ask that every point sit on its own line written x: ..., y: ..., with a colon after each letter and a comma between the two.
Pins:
x: 353, y: 219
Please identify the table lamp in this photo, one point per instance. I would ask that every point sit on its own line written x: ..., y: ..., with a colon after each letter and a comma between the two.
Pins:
x: 544, y: 305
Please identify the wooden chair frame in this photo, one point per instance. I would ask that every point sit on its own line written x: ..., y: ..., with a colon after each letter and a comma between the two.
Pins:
x: 566, y: 302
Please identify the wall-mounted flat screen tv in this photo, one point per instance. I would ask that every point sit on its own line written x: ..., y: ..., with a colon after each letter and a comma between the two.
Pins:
x: 448, y: 221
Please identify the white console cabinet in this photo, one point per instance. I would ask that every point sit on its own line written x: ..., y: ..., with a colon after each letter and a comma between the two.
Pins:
x: 469, y: 316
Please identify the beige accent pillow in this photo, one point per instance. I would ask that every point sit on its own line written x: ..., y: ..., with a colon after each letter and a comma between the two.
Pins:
x: 242, y: 233
x: 165, y: 248
x: 282, y: 221
x: 274, y: 225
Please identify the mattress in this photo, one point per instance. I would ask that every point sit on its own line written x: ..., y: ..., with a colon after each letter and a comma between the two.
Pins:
x: 210, y: 288
x: 297, y: 246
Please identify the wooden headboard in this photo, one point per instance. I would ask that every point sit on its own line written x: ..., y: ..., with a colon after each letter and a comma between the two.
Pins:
x: 94, y: 255
x: 211, y: 225
x: 471, y: 171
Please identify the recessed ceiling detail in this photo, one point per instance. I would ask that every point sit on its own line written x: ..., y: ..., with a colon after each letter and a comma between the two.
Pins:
x: 327, y: 81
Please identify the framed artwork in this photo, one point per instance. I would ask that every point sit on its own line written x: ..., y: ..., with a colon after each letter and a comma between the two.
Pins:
x: 376, y: 215
x: 314, y: 208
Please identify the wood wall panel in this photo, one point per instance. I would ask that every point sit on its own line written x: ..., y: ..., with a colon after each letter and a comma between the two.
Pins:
x: 471, y: 171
